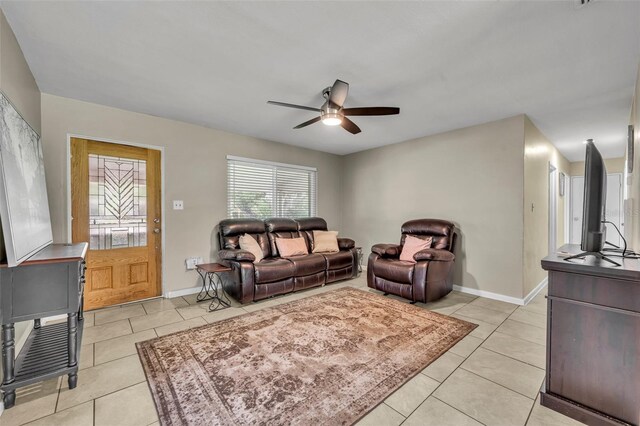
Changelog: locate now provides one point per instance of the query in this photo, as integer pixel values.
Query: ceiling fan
(333, 113)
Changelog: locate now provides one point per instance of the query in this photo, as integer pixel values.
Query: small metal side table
(359, 255)
(212, 288)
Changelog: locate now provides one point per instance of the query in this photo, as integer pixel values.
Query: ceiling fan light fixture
(331, 119)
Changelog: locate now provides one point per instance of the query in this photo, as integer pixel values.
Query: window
(262, 189)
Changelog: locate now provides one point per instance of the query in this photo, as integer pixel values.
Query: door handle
(156, 231)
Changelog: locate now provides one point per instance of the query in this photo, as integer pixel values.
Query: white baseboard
(502, 297)
(533, 293)
(182, 292)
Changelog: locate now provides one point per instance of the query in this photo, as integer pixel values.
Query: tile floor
(491, 377)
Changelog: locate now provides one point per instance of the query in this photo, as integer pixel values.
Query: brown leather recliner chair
(426, 280)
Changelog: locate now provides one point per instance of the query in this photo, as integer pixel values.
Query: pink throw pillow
(288, 247)
(412, 245)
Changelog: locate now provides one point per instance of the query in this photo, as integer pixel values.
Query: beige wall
(471, 176)
(195, 172)
(538, 154)
(614, 165)
(16, 80)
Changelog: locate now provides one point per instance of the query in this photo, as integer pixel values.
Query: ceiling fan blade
(284, 104)
(339, 92)
(350, 126)
(306, 123)
(371, 111)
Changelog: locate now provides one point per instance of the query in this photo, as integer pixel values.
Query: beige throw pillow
(288, 247)
(412, 245)
(325, 242)
(248, 243)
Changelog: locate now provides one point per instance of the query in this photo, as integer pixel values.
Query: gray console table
(49, 283)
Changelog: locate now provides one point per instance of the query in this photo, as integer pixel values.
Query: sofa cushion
(394, 270)
(248, 243)
(307, 225)
(288, 247)
(412, 245)
(308, 264)
(325, 242)
(273, 269)
(339, 260)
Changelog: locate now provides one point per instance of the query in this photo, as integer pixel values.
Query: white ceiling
(446, 64)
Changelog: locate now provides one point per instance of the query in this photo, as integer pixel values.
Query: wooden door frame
(162, 193)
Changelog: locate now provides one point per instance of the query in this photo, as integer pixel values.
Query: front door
(115, 207)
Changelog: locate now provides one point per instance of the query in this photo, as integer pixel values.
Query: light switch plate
(178, 205)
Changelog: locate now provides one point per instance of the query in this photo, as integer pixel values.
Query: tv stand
(597, 254)
(593, 350)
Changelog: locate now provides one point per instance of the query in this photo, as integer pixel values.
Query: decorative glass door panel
(117, 202)
(115, 194)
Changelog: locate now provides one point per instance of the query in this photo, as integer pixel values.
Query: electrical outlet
(178, 205)
(191, 262)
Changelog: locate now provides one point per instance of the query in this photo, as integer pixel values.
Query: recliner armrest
(346, 243)
(238, 255)
(434, 254)
(387, 250)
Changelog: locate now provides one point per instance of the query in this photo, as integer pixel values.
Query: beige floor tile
(411, 394)
(86, 356)
(496, 305)
(482, 331)
(442, 367)
(106, 331)
(460, 294)
(131, 406)
(80, 415)
(382, 415)
(484, 400)
(483, 314)
(192, 311)
(522, 350)
(101, 380)
(434, 412)
(524, 331)
(537, 305)
(465, 346)
(89, 319)
(111, 349)
(164, 304)
(180, 326)
(155, 320)
(528, 317)
(223, 314)
(542, 416)
(32, 402)
(515, 375)
(447, 305)
(124, 312)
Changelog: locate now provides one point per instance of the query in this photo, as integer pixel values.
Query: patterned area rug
(327, 359)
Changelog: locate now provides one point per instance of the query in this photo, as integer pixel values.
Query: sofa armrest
(434, 254)
(387, 250)
(238, 255)
(346, 243)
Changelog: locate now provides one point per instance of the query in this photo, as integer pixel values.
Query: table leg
(72, 326)
(206, 292)
(217, 302)
(8, 362)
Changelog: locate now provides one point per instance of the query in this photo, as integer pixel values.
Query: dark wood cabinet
(593, 340)
(50, 283)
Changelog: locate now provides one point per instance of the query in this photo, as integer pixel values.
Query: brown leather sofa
(273, 275)
(426, 280)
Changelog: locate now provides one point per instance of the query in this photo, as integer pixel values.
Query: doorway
(553, 208)
(116, 208)
(614, 212)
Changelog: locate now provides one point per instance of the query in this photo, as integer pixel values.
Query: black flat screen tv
(595, 197)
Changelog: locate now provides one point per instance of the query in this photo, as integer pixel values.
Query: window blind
(261, 189)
